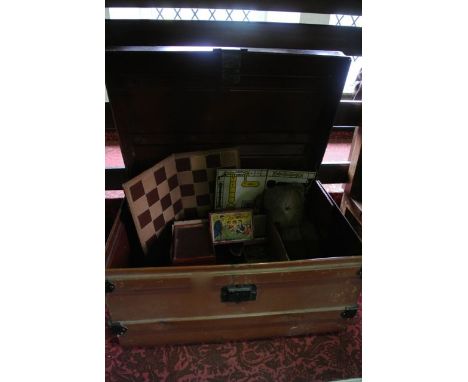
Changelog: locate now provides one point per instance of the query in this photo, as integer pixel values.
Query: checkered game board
(179, 187)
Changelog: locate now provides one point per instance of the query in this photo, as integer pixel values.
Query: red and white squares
(179, 187)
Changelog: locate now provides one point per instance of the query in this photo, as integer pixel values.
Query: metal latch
(117, 328)
(109, 286)
(238, 293)
(349, 312)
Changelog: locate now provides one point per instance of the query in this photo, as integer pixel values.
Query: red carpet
(294, 359)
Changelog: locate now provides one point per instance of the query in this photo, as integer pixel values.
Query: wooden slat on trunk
(349, 113)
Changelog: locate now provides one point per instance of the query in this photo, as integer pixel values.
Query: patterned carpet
(327, 357)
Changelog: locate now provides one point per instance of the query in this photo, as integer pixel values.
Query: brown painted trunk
(162, 305)
(277, 107)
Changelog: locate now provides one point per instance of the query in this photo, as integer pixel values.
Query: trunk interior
(332, 237)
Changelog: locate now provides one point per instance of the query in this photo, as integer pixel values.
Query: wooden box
(278, 108)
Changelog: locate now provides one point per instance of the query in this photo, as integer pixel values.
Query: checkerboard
(179, 187)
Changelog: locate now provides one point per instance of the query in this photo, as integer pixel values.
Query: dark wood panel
(109, 118)
(349, 120)
(344, 7)
(349, 113)
(333, 172)
(112, 208)
(353, 214)
(337, 235)
(127, 33)
(354, 187)
(231, 138)
(117, 244)
(356, 184)
(115, 177)
(176, 111)
(268, 151)
(153, 93)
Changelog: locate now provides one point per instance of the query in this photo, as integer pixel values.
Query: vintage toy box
(277, 109)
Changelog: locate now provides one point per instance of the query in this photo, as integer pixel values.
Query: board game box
(191, 243)
(180, 187)
(239, 188)
(231, 226)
